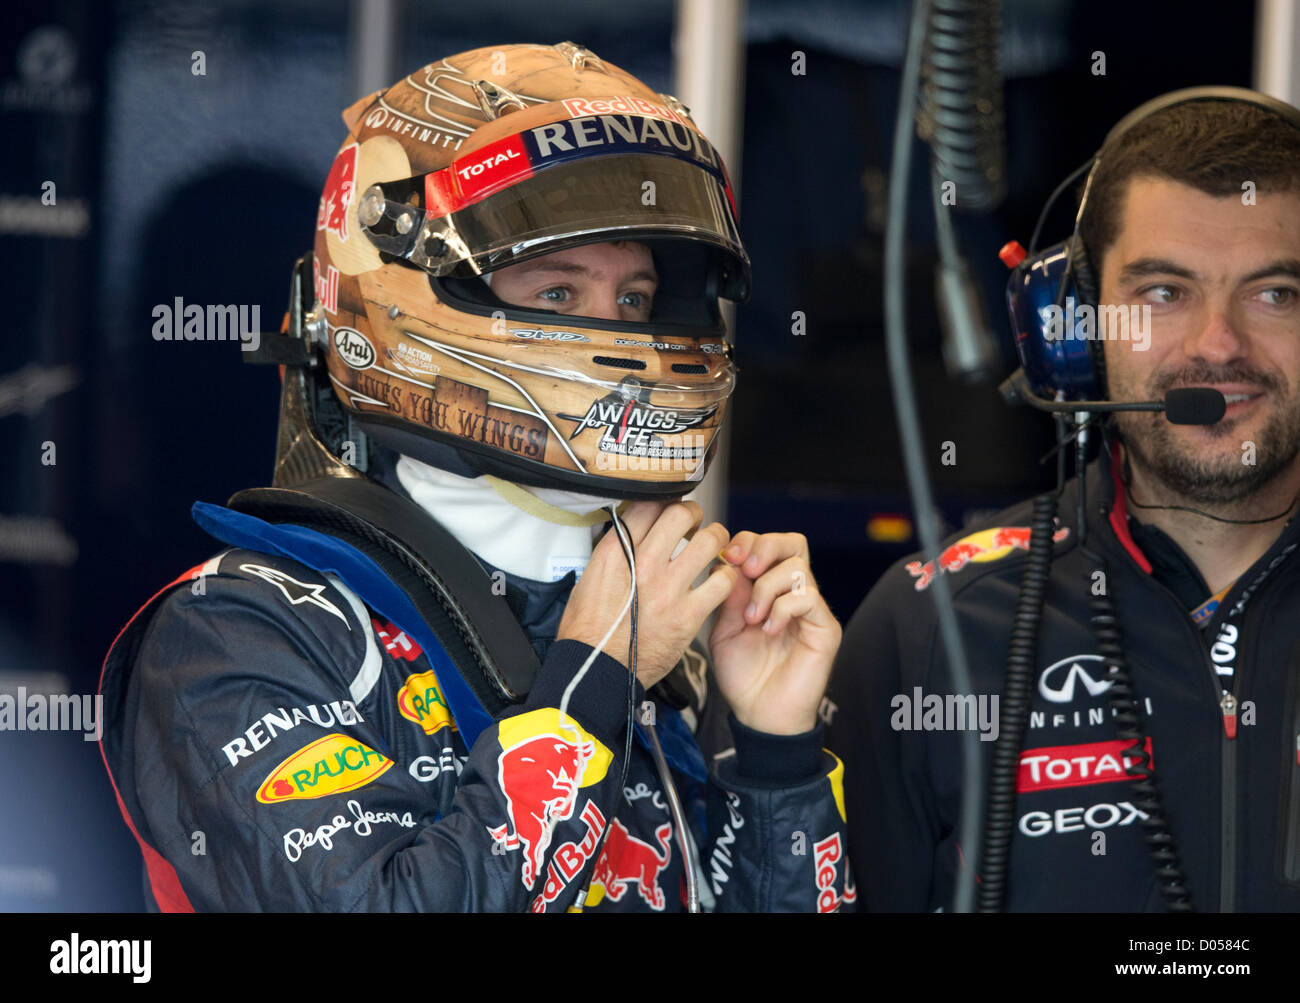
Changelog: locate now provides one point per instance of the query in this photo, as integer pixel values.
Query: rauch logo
(421, 701)
(329, 765)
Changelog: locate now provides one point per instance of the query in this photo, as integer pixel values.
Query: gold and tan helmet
(488, 159)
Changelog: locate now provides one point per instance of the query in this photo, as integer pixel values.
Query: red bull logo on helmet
(627, 862)
(546, 758)
(986, 545)
(332, 214)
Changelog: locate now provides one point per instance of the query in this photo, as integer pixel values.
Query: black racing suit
(278, 744)
(1230, 783)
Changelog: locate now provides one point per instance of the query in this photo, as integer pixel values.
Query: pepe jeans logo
(354, 348)
(330, 765)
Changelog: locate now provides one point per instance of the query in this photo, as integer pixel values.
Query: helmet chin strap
(565, 508)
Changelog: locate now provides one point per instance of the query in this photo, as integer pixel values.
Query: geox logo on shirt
(75, 956)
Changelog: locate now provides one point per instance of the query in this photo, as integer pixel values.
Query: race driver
(389, 693)
(1196, 526)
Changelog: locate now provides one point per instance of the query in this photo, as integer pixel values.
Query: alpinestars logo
(630, 423)
(296, 592)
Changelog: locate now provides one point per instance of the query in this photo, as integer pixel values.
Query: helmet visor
(580, 181)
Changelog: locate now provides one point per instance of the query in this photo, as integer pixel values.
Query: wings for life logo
(627, 862)
(632, 426)
(986, 545)
(546, 758)
(329, 765)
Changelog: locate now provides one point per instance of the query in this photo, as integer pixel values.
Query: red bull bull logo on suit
(546, 758)
(627, 862)
(986, 545)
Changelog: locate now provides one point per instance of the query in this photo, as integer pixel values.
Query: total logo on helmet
(329, 765)
(986, 545)
(627, 862)
(546, 758)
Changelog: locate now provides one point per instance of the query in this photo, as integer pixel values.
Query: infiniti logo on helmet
(1058, 680)
(354, 348)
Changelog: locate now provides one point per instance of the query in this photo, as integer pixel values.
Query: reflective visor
(576, 181)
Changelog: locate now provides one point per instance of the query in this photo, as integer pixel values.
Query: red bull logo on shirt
(546, 757)
(627, 862)
(986, 545)
(826, 854)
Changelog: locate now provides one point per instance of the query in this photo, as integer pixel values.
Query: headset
(1067, 376)
(1075, 369)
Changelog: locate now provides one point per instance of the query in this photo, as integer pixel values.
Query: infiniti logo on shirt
(1058, 680)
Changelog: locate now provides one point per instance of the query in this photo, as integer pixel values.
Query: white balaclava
(537, 533)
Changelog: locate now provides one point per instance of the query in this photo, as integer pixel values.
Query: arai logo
(354, 348)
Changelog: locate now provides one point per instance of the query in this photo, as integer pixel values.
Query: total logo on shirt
(1054, 766)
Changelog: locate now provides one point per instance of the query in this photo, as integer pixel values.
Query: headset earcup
(1087, 288)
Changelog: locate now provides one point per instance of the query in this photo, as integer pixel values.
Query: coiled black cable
(1000, 802)
(1124, 706)
(961, 113)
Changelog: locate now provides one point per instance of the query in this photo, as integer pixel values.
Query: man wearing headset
(390, 694)
(1192, 216)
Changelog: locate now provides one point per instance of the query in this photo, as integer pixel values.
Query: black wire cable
(1124, 705)
(999, 820)
(909, 430)
(960, 112)
(1051, 200)
(631, 699)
